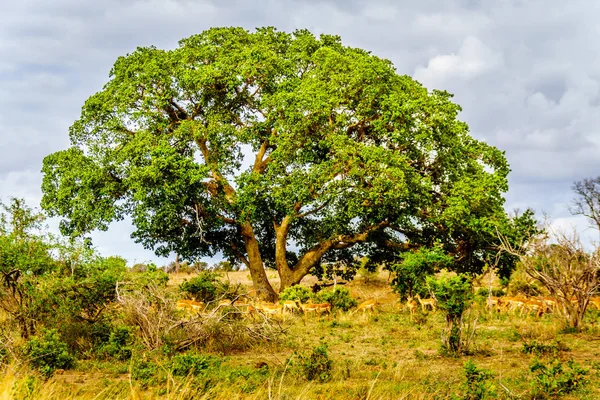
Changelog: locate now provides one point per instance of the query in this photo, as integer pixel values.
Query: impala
(533, 305)
(316, 308)
(494, 303)
(289, 305)
(365, 306)
(412, 305)
(596, 302)
(189, 305)
(427, 302)
(269, 308)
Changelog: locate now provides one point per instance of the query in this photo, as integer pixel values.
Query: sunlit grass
(380, 355)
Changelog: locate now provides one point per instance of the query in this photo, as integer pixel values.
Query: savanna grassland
(386, 354)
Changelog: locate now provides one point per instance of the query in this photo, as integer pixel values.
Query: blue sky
(527, 74)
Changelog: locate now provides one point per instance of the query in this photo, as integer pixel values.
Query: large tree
(276, 149)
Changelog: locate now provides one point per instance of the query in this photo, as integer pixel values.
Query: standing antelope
(412, 306)
(427, 302)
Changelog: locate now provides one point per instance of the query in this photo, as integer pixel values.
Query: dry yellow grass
(384, 355)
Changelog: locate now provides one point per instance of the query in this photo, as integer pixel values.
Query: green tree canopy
(276, 149)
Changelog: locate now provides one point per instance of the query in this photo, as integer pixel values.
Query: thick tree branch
(314, 254)
(259, 164)
(227, 188)
(239, 255)
(182, 112)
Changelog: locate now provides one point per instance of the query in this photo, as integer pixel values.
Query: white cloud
(522, 71)
(472, 59)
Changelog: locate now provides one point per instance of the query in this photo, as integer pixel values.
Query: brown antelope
(269, 308)
(251, 311)
(494, 303)
(365, 306)
(323, 308)
(514, 303)
(316, 308)
(550, 303)
(240, 304)
(189, 305)
(596, 302)
(426, 302)
(533, 305)
(412, 306)
(224, 303)
(289, 305)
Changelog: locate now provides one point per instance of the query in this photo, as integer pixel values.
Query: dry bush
(158, 323)
(562, 266)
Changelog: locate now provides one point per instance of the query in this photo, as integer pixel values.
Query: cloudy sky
(526, 72)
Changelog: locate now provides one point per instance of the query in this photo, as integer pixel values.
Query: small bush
(555, 379)
(119, 344)
(202, 287)
(482, 294)
(192, 364)
(296, 293)
(47, 352)
(317, 365)
(454, 295)
(540, 349)
(145, 372)
(478, 383)
(340, 298)
(151, 275)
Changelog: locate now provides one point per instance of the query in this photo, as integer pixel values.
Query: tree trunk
(263, 288)
(290, 277)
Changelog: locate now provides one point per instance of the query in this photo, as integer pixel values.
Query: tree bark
(263, 288)
(290, 277)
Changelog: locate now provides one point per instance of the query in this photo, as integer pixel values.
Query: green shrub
(415, 267)
(340, 298)
(119, 344)
(454, 295)
(192, 363)
(555, 379)
(483, 293)
(540, 349)
(150, 276)
(47, 352)
(478, 383)
(145, 372)
(317, 365)
(296, 293)
(202, 287)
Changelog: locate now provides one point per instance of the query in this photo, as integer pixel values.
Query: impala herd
(517, 304)
(254, 307)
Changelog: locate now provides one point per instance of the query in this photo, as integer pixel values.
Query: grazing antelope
(596, 302)
(426, 302)
(550, 303)
(365, 306)
(412, 306)
(224, 303)
(289, 305)
(251, 311)
(533, 305)
(189, 305)
(514, 303)
(269, 308)
(323, 308)
(494, 303)
(316, 308)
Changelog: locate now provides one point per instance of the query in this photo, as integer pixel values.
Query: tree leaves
(238, 131)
